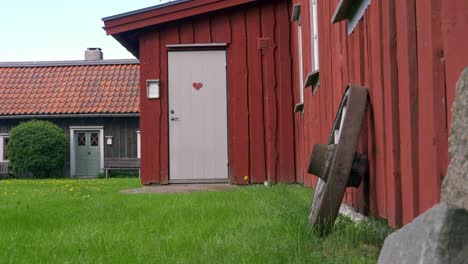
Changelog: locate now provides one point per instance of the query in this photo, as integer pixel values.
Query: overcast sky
(38, 30)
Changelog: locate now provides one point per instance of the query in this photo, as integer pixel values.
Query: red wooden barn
(409, 54)
(219, 82)
(225, 106)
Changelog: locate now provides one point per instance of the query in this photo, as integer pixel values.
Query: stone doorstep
(182, 188)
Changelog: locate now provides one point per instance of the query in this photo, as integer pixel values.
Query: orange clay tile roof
(69, 87)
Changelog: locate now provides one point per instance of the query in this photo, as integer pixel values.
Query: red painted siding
(150, 110)
(260, 99)
(409, 54)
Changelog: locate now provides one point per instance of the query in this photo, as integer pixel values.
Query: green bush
(38, 147)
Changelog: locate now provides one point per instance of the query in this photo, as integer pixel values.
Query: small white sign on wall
(108, 140)
(152, 87)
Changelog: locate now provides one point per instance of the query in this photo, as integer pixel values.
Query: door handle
(174, 119)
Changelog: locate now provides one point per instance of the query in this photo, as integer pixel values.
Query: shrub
(38, 147)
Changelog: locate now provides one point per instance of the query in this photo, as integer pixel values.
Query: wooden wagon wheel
(337, 164)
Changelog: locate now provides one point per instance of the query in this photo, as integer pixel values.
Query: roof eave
(160, 14)
(142, 10)
(15, 64)
(77, 115)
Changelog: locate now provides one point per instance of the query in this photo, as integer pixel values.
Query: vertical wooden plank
(375, 68)
(187, 35)
(328, 59)
(129, 137)
(392, 124)
(121, 129)
(357, 64)
(432, 78)
(307, 138)
(327, 112)
(110, 128)
(167, 37)
(270, 87)
(354, 64)
(130, 141)
(303, 66)
(220, 29)
(315, 118)
(238, 119)
(334, 61)
(454, 28)
(408, 105)
(345, 61)
(150, 115)
(285, 170)
(255, 97)
(202, 31)
(367, 144)
(299, 118)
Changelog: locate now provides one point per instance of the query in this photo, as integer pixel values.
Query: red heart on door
(197, 85)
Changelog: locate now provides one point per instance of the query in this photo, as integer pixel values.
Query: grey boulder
(440, 235)
(455, 184)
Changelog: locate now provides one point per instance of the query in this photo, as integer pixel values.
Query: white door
(198, 115)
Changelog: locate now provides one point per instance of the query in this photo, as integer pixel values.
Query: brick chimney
(93, 54)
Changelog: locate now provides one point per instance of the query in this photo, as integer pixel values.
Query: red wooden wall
(409, 54)
(260, 98)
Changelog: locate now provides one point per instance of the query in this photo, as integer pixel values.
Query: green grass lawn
(90, 221)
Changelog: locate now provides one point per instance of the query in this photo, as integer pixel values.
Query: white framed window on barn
(296, 16)
(314, 35)
(312, 78)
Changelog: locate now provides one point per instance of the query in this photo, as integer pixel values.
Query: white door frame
(72, 145)
(193, 47)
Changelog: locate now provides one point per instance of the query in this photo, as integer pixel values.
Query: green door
(87, 153)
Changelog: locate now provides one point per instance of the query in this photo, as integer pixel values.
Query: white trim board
(72, 146)
(2, 155)
(138, 144)
(196, 45)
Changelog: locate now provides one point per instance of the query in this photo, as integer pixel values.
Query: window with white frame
(296, 16)
(301, 69)
(4, 138)
(138, 144)
(314, 35)
(312, 78)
